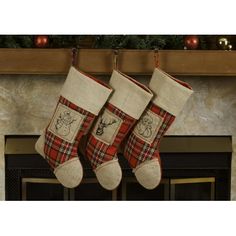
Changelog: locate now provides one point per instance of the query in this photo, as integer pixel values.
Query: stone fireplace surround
(27, 103)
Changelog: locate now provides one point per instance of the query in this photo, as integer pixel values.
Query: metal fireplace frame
(185, 159)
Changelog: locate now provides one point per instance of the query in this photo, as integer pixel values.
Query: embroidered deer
(104, 124)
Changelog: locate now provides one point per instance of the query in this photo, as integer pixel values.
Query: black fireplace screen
(194, 168)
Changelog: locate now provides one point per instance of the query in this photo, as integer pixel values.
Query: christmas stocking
(142, 147)
(80, 101)
(125, 106)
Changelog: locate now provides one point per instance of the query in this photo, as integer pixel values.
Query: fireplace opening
(194, 168)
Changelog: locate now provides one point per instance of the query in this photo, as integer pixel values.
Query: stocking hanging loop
(74, 56)
(156, 57)
(115, 59)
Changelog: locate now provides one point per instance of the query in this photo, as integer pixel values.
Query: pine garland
(99, 41)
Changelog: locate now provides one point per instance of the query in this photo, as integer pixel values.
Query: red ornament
(191, 42)
(41, 41)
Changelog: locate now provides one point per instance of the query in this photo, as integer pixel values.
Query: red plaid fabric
(99, 152)
(57, 150)
(136, 150)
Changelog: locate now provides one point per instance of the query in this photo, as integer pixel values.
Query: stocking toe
(109, 174)
(70, 173)
(148, 174)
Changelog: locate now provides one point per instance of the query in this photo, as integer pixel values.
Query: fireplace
(194, 168)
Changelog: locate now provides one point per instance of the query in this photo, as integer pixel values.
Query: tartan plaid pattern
(57, 150)
(99, 152)
(137, 151)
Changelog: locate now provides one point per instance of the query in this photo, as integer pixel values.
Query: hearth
(194, 168)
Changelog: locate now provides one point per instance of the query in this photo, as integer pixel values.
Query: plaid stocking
(80, 101)
(142, 147)
(118, 117)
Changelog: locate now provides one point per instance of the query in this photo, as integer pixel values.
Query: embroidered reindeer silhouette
(104, 124)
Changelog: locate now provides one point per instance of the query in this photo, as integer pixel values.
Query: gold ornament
(224, 44)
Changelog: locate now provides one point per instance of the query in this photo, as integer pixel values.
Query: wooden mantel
(134, 62)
